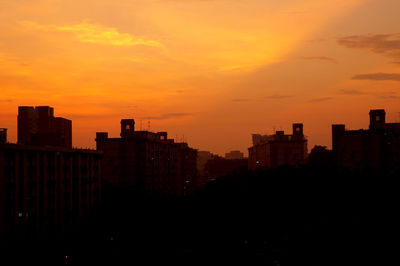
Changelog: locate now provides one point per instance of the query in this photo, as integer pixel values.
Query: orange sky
(213, 71)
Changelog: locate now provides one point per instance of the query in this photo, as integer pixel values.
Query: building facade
(148, 162)
(376, 147)
(278, 149)
(220, 167)
(45, 190)
(3, 135)
(38, 126)
(234, 155)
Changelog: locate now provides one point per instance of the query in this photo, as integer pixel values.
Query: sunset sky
(211, 72)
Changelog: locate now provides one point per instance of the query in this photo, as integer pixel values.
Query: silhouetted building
(219, 167)
(234, 155)
(376, 147)
(45, 190)
(3, 135)
(202, 158)
(38, 126)
(148, 162)
(258, 138)
(278, 149)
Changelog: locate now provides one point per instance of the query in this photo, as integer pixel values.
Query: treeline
(310, 215)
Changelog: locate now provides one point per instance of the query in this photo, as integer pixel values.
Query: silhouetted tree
(321, 156)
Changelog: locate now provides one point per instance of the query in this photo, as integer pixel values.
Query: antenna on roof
(148, 125)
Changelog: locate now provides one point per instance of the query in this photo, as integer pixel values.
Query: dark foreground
(327, 216)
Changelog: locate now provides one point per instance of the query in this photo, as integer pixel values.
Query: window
(376, 118)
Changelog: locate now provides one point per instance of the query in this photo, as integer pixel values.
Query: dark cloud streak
(278, 96)
(377, 76)
(351, 92)
(240, 100)
(167, 116)
(320, 58)
(321, 99)
(389, 97)
(385, 44)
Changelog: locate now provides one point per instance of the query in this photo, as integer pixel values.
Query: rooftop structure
(234, 155)
(376, 147)
(278, 149)
(147, 161)
(38, 126)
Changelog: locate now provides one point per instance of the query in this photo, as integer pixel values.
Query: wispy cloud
(295, 12)
(6, 100)
(318, 40)
(93, 33)
(351, 92)
(386, 44)
(278, 96)
(268, 97)
(389, 97)
(187, 1)
(320, 99)
(167, 116)
(240, 100)
(377, 76)
(320, 58)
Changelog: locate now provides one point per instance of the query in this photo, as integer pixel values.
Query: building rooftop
(16, 146)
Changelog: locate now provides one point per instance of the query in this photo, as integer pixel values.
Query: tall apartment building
(46, 186)
(278, 149)
(147, 161)
(45, 190)
(376, 147)
(38, 126)
(3, 135)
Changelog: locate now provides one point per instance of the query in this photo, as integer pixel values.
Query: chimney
(297, 129)
(127, 127)
(377, 118)
(163, 135)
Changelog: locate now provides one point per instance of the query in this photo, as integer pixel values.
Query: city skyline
(199, 132)
(211, 72)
